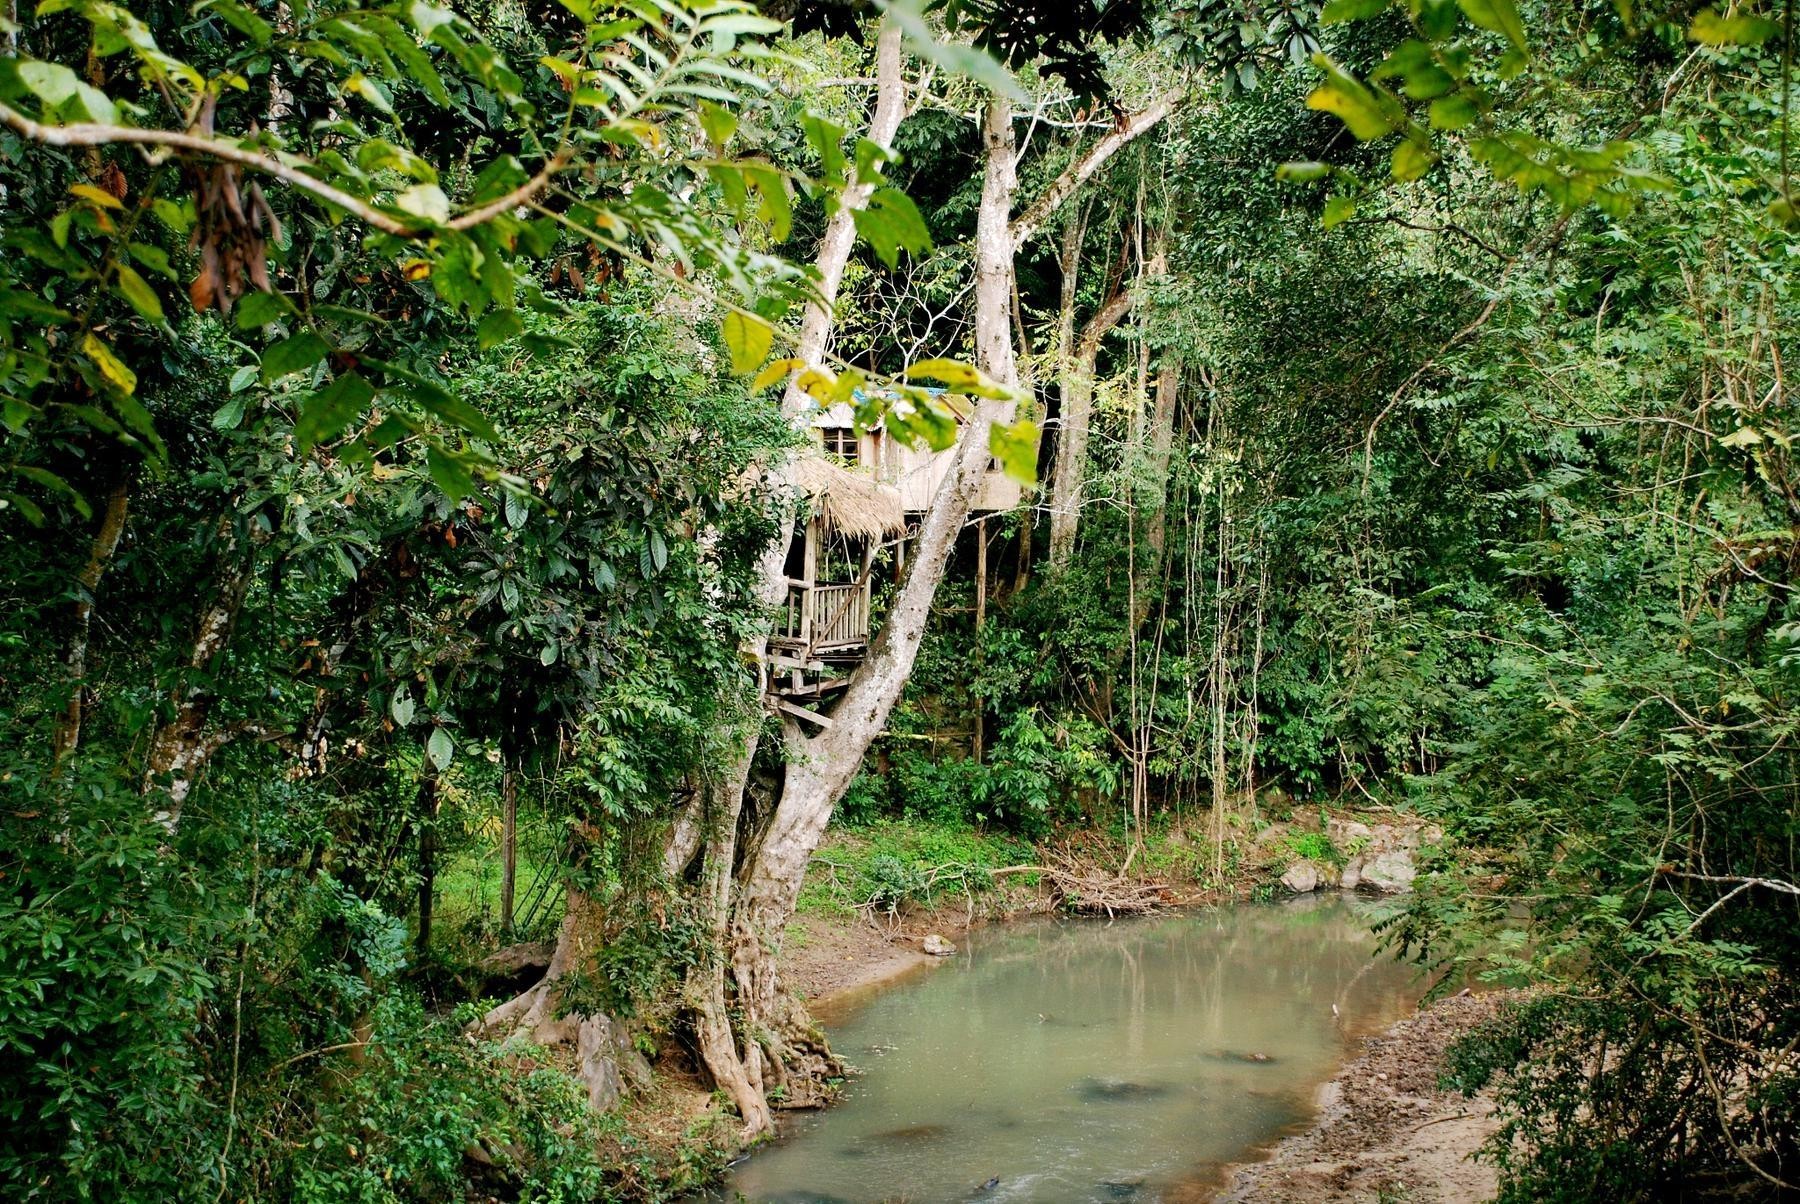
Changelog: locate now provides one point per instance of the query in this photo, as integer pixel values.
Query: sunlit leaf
(1496, 16)
(137, 291)
(748, 340)
(1016, 448)
(110, 365)
(1712, 28)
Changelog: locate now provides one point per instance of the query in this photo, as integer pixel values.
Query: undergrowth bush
(890, 865)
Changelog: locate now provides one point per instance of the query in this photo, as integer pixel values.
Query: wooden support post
(810, 572)
(800, 712)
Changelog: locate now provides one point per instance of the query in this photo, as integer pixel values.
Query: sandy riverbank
(1384, 1130)
(833, 962)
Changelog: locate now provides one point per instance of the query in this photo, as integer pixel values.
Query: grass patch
(892, 863)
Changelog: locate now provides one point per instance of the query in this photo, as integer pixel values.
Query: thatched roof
(850, 502)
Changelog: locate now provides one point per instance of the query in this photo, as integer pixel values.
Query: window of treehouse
(841, 441)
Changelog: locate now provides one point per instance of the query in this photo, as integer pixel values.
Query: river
(1083, 1060)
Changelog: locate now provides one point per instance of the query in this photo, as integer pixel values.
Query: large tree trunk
(839, 238)
(776, 1043)
(1069, 480)
(1162, 444)
(779, 1043)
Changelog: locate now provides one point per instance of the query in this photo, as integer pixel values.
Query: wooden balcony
(825, 619)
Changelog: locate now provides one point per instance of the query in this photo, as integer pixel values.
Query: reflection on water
(1083, 1060)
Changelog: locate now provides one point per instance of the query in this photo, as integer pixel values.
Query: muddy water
(1083, 1060)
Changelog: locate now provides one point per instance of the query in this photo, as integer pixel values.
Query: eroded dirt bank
(1384, 1130)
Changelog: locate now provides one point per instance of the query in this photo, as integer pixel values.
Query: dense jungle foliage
(393, 409)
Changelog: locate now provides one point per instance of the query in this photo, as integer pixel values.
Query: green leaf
(748, 340)
(953, 56)
(176, 215)
(440, 748)
(827, 140)
(956, 376)
(1415, 63)
(890, 223)
(1338, 210)
(34, 514)
(1358, 107)
(138, 419)
(1711, 28)
(15, 303)
(55, 484)
(1352, 10)
(718, 123)
(449, 472)
(331, 409)
(293, 354)
(1412, 160)
(443, 404)
(1016, 447)
(424, 200)
(498, 327)
(66, 96)
(1496, 16)
(1304, 172)
(401, 706)
(97, 196)
(154, 258)
(136, 290)
(229, 416)
(775, 371)
(1453, 112)
(428, 18)
(240, 18)
(776, 207)
(870, 158)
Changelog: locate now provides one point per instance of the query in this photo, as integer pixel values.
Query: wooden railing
(826, 618)
(840, 616)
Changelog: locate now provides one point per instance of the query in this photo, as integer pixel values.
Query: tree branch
(1105, 318)
(92, 134)
(1078, 172)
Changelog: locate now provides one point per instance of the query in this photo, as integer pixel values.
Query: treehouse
(863, 489)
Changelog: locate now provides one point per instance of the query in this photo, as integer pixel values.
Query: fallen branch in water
(1089, 888)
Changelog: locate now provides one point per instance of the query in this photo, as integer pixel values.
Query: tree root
(605, 1059)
